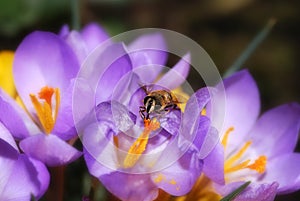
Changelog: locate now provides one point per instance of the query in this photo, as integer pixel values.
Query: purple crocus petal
(93, 35)
(171, 122)
(49, 62)
(241, 107)
(276, 131)
(32, 180)
(64, 31)
(78, 45)
(126, 89)
(191, 116)
(15, 119)
(213, 165)
(49, 149)
(179, 178)
(43, 176)
(117, 63)
(8, 156)
(285, 170)
(254, 192)
(176, 75)
(152, 55)
(7, 137)
(133, 186)
(64, 125)
(124, 186)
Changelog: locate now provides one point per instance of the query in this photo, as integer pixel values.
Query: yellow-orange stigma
(44, 108)
(139, 145)
(259, 165)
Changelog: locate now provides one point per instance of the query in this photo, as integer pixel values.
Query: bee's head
(149, 102)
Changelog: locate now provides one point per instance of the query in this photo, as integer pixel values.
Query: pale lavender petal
(93, 35)
(26, 180)
(213, 165)
(130, 187)
(116, 63)
(276, 131)
(285, 170)
(8, 156)
(176, 75)
(7, 137)
(49, 62)
(171, 122)
(126, 90)
(179, 178)
(98, 147)
(137, 100)
(150, 51)
(78, 45)
(124, 186)
(254, 192)
(191, 116)
(43, 176)
(49, 149)
(15, 119)
(241, 107)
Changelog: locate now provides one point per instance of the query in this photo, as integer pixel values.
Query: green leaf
(257, 40)
(235, 193)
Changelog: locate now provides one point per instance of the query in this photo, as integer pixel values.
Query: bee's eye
(150, 104)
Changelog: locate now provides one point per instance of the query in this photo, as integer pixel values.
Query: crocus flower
(43, 69)
(21, 177)
(256, 149)
(134, 158)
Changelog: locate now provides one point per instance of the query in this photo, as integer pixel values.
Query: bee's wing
(181, 97)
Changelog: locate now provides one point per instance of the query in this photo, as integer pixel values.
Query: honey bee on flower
(158, 101)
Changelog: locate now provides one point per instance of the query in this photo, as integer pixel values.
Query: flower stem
(251, 48)
(56, 189)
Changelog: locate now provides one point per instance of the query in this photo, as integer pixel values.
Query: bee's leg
(142, 110)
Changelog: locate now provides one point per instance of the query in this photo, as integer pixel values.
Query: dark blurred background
(222, 27)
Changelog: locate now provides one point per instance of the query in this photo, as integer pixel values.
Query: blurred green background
(222, 27)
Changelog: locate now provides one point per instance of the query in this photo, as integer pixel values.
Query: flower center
(45, 110)
(232, 164)
(139, 146)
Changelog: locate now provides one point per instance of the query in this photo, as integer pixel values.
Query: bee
(158, 101)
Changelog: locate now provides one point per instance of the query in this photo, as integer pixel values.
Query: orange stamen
(139, 146)
(259, 165)
(44, 108)
(226, 135)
